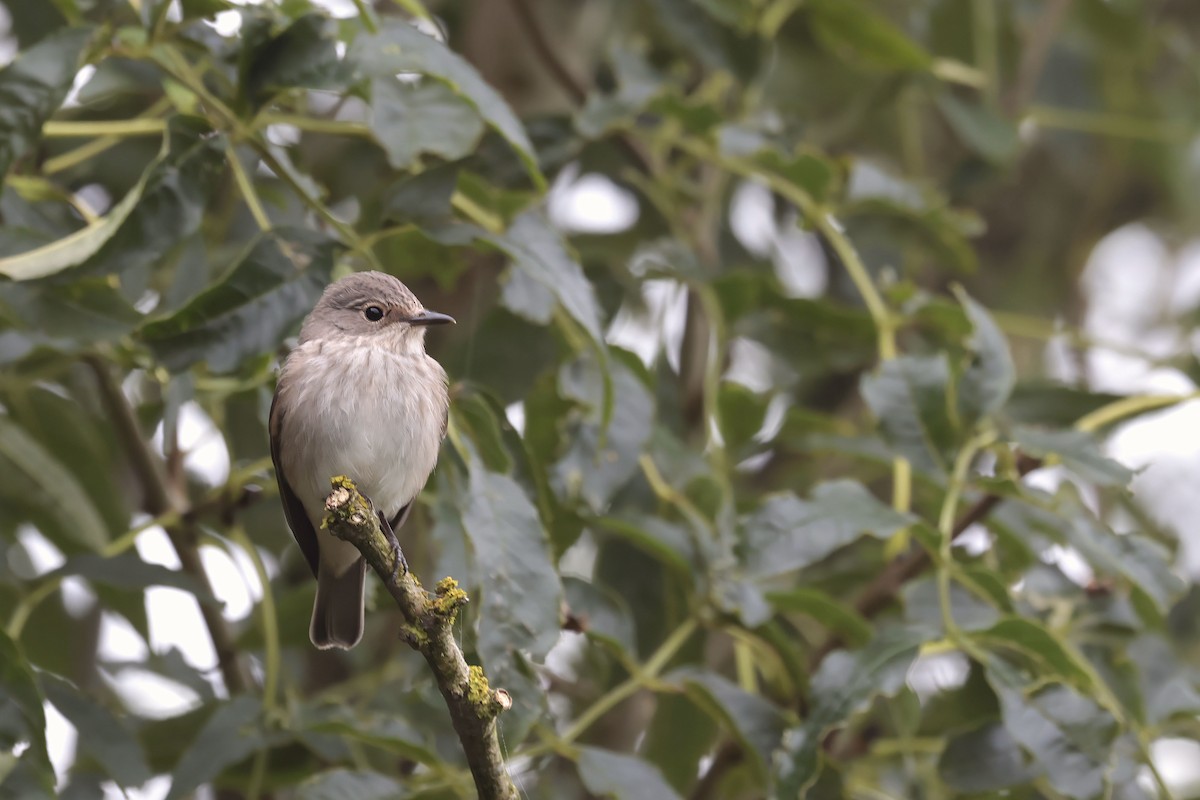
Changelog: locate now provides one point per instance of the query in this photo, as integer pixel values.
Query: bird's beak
(430, 318)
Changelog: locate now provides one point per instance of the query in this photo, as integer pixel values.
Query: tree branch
(157, 501)
(428, 629)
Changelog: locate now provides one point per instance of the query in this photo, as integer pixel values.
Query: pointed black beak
(430, 318)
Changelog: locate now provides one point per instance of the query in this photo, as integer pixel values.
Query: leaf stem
(120, 128)
(1127, 407)
(246, 187)
(631, 685)
(272, 660)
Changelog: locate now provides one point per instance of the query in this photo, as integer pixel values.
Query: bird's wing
(293, 509)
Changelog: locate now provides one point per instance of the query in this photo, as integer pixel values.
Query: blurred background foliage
(777, 463)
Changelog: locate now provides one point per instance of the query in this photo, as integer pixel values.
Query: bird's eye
(373, 313)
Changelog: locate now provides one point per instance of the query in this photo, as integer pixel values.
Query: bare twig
(1033, 56)
(545, 53)
(158, 501)
(428, 629)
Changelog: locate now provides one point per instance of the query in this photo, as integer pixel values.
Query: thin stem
(367, 15)
(946, 527)
(1114, 125)
(246, 187)
(983, 32)
(120, 128)
(272, 660)
(1128, 407)
(631, 685)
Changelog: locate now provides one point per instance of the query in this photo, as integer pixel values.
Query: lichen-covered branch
(428, 629)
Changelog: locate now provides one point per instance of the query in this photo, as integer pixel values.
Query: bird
(358, 396)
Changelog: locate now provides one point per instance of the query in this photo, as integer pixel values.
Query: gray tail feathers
(337, 618)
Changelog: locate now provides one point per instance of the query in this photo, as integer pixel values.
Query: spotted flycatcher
(357, 397)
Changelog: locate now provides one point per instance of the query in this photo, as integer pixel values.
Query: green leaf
(32, 88)
(601, 459)
(519, 610)
(83, 312)
(1067, 735)
(986, 759)
(991, 375)
(787, 533)
(412, 119)
(845, 684)
(741, 412)
(302, 55)
(922, 606)
(908, 396)
(601, 612)
(831, 612)
(230, 735)
(476, 417)
(339, 784)
(1053, 405)
(248, 311)
(53, 485)
(102, 734)
(757, 723)
(860, 35)
(22, 719)
(1079, 451)
(621, 777)
(982, 130)
(399, 48)
(382, 731)
(540, 252)
(171, 207)
(1030, 638)
(128, 571)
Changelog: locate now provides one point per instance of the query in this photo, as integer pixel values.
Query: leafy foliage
(772, 536)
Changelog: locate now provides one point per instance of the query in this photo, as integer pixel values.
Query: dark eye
(373, 313)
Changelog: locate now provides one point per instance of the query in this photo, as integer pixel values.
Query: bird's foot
(399, 562)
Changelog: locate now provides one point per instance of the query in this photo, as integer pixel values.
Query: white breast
(380, 425)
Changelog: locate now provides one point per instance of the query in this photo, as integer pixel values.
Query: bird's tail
(337, 618)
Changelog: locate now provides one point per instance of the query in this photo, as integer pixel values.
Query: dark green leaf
(540, 252)
(340, 784)
(1079, 451)
(990, 376)
(249, 311)
(519, 610)
(742, 412)
(1029, 637)
(757, 723)
(788, 533)
(987, 759)
(32, 88)
(621, 777)
(128, 571)
(303, 55)
(412, 119)
(861, 35)
(48, 481)
(82, 312)
(478, 419)
(22, 719)
(1067, 735)
(600, 459)
(824, 608)
(600, 612)
(845, 683)
(977, 127)
(231, 734)
(399, 47)
(908, 396)
(1053, 405)
(102, 734)
(171, 206)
